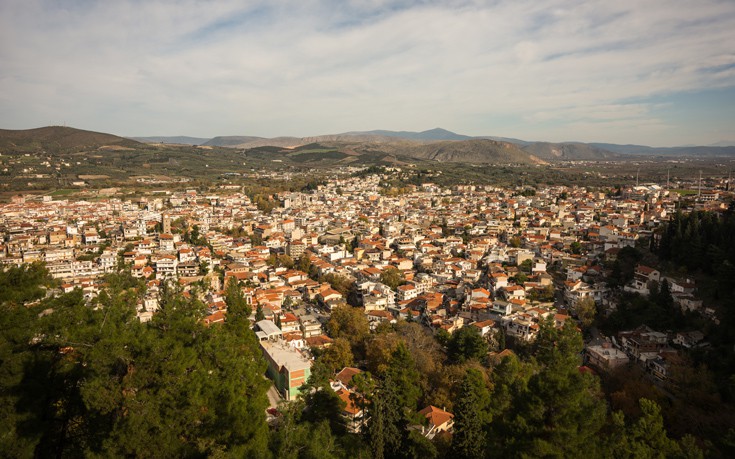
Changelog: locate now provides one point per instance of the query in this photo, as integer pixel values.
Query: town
(499, 260)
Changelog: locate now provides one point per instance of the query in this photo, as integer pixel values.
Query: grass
(63, 192)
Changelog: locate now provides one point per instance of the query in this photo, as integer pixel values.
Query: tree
(21, 284)
(259, 314)
(237, 307)
(392, 277)
(471, 414)
(526, 266)
(349, 323)
(304, 263)
(385, 426)
(586, 309)
(648, 436)
(575, 247)
(558, 412)
(572, 412)
(405, 380)
(95, 381)
(467, 344)
(337, 356)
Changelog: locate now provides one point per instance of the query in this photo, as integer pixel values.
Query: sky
(653, 72)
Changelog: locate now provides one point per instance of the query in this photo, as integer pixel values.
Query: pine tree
(259, 314)
(237, 308)
(471, 414)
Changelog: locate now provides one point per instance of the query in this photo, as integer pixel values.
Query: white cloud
(562, 69)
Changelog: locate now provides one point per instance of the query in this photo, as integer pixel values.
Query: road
(273, 397)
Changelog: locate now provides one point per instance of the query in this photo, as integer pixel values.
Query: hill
(690, 151)
(567, 151)
(471, 151)
(231, 141)
(431, 134)
(59, 139)
(179, 140)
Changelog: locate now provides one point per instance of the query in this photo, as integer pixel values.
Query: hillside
(231, 141)
(179, 140)
(55, 139)
(472, 151)
(567, 151)
(431, 134)
(692, 151)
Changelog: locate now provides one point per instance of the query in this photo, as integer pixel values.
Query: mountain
(179, 139)
(471, 151)
(723, 143)
(431, 134)
(231, 140)
(58, 139)
(567, 151)
(667, 151)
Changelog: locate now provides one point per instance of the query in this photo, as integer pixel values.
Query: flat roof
(286, 356)
(268, 327)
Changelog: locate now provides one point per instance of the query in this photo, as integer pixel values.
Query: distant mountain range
(546, 151)
(179, 140)
(435, 144)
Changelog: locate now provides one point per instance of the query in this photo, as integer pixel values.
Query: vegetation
(78, 380)
(83, 378)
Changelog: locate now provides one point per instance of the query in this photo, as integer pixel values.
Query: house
(353, 412)
(485, 327)
(642, 343)
(343, 379)
(287, 367)
(605, 357)
(689, 339)
(437, 421)
(642, 279)
(310, 326)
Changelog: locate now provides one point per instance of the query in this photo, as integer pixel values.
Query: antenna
(667, 178)
(636, 176)
(699, 193)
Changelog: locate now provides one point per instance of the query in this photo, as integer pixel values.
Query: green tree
(586, 310)
(392, 277)
(337, 356)
(237, 307)
(559, 412)
(348, 323)
(21, 284)
(259, 314)
(405, 379)
(471, 416)
(467, 344)
(526, 266)
(648, 436)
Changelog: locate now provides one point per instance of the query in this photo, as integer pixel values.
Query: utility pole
(699, 193)
(636, 176)
(667, 178)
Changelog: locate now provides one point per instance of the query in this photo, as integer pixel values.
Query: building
(605, 357)
(287, 367)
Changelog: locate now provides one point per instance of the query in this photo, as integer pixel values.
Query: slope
(55, 139)
(471, 151)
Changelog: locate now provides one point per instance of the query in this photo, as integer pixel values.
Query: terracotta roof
(436, 416)
(345, 375)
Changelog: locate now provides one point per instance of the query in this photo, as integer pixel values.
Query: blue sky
(658, 72)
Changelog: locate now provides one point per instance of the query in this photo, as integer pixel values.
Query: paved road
(273, 397)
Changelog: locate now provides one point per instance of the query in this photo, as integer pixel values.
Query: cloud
(303, 68)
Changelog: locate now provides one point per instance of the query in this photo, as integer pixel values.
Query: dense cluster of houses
(467, 256)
